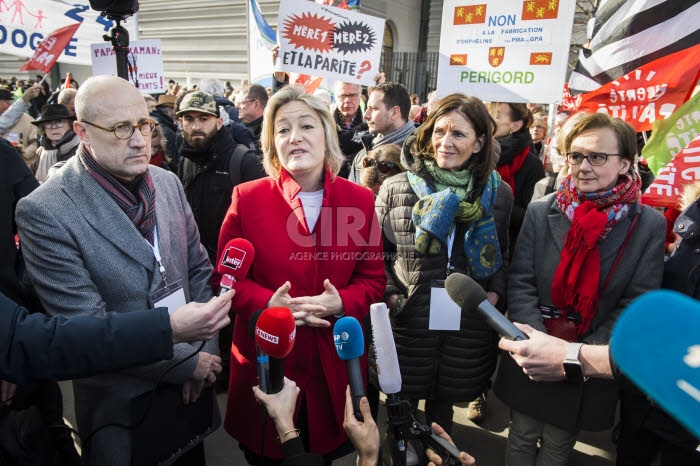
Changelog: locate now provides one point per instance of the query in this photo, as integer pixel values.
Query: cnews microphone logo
(266, 336)
(233, 257)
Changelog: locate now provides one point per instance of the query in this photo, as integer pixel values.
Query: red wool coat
(346, 248)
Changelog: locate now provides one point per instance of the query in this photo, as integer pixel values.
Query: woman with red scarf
(518, 164)
(583, 254)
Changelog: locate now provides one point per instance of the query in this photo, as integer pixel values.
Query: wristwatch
(572, 365)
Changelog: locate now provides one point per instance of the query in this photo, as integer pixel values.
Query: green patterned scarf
(436, 213)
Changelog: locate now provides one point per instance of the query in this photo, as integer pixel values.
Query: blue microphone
(350, 344)
(656, 344)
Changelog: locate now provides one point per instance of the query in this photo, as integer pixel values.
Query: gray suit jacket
(85, 256)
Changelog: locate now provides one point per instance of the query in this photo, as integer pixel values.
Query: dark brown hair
(520, 112)
(481, 164)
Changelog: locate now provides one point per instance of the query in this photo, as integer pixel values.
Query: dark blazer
(535, 261)
(85, 256)
(36, 347)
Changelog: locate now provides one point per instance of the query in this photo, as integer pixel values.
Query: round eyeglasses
(54, 124)
(594, 158)
(126, 130)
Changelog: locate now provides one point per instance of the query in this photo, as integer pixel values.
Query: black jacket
(350, 138)
(255, 127)
(208, 183)
(447, 365)
(16, 181)
(525, 179)
(35, 347)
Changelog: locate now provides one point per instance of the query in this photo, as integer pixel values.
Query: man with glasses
(350, 124)
(387, 119)
(251, 109)
(111, 233)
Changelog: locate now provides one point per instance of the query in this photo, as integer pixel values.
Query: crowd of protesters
(549, 223)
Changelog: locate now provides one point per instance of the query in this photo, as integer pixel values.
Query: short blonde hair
(333, 159)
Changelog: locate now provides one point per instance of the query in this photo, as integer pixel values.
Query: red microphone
(235, 262)
(275, 332)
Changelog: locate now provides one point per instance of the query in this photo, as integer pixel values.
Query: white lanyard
(156, 253)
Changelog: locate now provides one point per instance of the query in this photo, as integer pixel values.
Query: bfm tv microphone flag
(627, 34)
(48, 50)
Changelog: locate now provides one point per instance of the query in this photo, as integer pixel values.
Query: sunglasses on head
(382, 165)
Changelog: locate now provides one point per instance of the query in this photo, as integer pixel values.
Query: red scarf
(157, 159)
(576, 282)
(508, 171)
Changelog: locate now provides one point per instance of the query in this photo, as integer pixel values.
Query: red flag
(668, 186)
(649, 93)
(48, 50)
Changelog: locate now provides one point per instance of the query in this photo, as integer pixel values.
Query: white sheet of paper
(173, 301)
(445, 314)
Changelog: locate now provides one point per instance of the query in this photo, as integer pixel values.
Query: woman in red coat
(318, 252)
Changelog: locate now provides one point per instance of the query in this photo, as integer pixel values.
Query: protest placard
(329, 42)
(24, 24)
(148, 57)
(505, 50)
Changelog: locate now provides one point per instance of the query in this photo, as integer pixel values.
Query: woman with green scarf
(448, 213)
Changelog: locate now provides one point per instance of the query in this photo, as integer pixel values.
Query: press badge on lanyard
(169, 295)
(445, 314)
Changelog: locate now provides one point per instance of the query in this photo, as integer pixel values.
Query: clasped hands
(309, 310)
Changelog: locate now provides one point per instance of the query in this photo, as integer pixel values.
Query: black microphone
(350, 344)
(471, 297)
(262, 359)
(274, 332)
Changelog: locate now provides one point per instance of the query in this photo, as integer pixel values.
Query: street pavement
(486, 442)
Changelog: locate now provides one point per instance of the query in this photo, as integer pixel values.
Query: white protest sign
(24, 24)
(328, 42)
(505, 50)
(148, 56)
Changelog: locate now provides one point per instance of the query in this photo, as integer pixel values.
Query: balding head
(98, 93)
(103, 103)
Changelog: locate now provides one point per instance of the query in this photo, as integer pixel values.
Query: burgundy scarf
(140, 208)
(577, 279)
